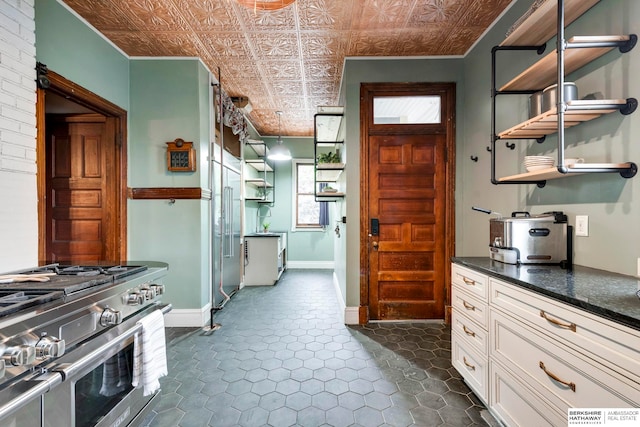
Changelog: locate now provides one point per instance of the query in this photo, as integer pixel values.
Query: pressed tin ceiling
(289, 59)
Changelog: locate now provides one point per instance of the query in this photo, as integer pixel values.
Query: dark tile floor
(282, 357)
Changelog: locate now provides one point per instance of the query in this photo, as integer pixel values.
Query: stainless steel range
(66, 340)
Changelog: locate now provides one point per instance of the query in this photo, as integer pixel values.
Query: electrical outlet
(582, 225)
(638, 272)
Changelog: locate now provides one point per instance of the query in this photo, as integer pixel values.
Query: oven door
(21, 402)
(96, 388)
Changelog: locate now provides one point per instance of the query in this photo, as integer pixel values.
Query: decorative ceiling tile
(280, 70)
(289, 59)
(208, 15)
(269, 46)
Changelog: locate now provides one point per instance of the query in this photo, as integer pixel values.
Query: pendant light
(279, 152)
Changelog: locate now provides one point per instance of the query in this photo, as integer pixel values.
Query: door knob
(375, 245)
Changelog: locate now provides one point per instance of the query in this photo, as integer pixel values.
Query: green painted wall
(70, 48)
(169, 100)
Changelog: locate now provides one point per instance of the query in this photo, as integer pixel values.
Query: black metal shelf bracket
(629, 107)
(630, 172)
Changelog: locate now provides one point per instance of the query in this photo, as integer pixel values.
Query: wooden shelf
(259, 147)
(328, 172)
(575, 169)
(540, 26)
(325, 195)
(544, 72)
(256, 182)
(260, 165)
(577, 112)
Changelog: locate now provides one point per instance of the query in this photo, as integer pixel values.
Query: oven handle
(71, 369)
(45, 383)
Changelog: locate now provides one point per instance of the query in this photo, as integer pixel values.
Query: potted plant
(326, 159)
(265, 227)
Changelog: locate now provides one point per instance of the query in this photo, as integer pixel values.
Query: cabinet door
(471, 281)
(516, 405)
(609, 343)
(472, 365)
(557, 372)
(470, 331)
(472, 307)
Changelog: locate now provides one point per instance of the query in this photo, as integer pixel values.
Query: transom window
(406, 109)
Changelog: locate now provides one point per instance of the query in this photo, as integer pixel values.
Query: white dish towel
(149, 353)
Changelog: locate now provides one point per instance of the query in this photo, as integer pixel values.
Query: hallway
(283, 357)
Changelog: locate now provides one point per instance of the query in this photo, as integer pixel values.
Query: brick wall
(18, 193)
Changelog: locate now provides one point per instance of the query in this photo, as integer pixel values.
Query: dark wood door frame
(448, 114)
(117, 247)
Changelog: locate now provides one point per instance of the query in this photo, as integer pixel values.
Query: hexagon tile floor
(283, 357)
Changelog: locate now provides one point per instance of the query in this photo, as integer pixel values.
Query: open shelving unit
(264, 191)
(328, 137)
(545, 22)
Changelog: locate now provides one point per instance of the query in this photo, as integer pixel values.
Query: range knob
(49, 347)
(158, 287)
(133, 298)
(110, 317)
(148, 293)
(20, 355)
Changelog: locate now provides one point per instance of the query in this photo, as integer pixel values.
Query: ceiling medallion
(265, 4)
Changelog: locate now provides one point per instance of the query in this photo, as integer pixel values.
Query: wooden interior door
(78, 180)
(407, 209)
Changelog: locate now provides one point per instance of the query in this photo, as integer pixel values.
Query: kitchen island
(536, 341)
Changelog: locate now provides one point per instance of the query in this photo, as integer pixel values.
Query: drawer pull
(468, 331)
(469, 281)
(571, 326)
(554, 377)
(469, 365)
(468, 306)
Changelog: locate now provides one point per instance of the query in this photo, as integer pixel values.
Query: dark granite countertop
(600, 292)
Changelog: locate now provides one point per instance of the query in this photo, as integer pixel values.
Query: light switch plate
(582, 225)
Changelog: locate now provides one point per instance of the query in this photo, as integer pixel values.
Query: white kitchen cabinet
(469, 320)
(534, 357)
(265, 258)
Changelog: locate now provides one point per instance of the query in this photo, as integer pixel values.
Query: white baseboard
(310, 265)
(351, 315)
(187, 318)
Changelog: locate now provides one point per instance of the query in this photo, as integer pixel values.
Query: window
(406, 109)
(306, 209)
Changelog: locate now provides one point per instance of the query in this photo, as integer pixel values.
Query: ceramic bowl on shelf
(535, 163)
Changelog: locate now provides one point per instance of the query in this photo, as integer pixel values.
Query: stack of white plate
(535, 163)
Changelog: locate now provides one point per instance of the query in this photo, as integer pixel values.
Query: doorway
(407, 200)
(81, 167)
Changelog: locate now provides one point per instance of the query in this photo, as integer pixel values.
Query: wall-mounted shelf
(541, 26)
(577, 112)
(260, 165)
(572, 170)
(329, 130)
(262, 176)
(531, 34)
(544, 72)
